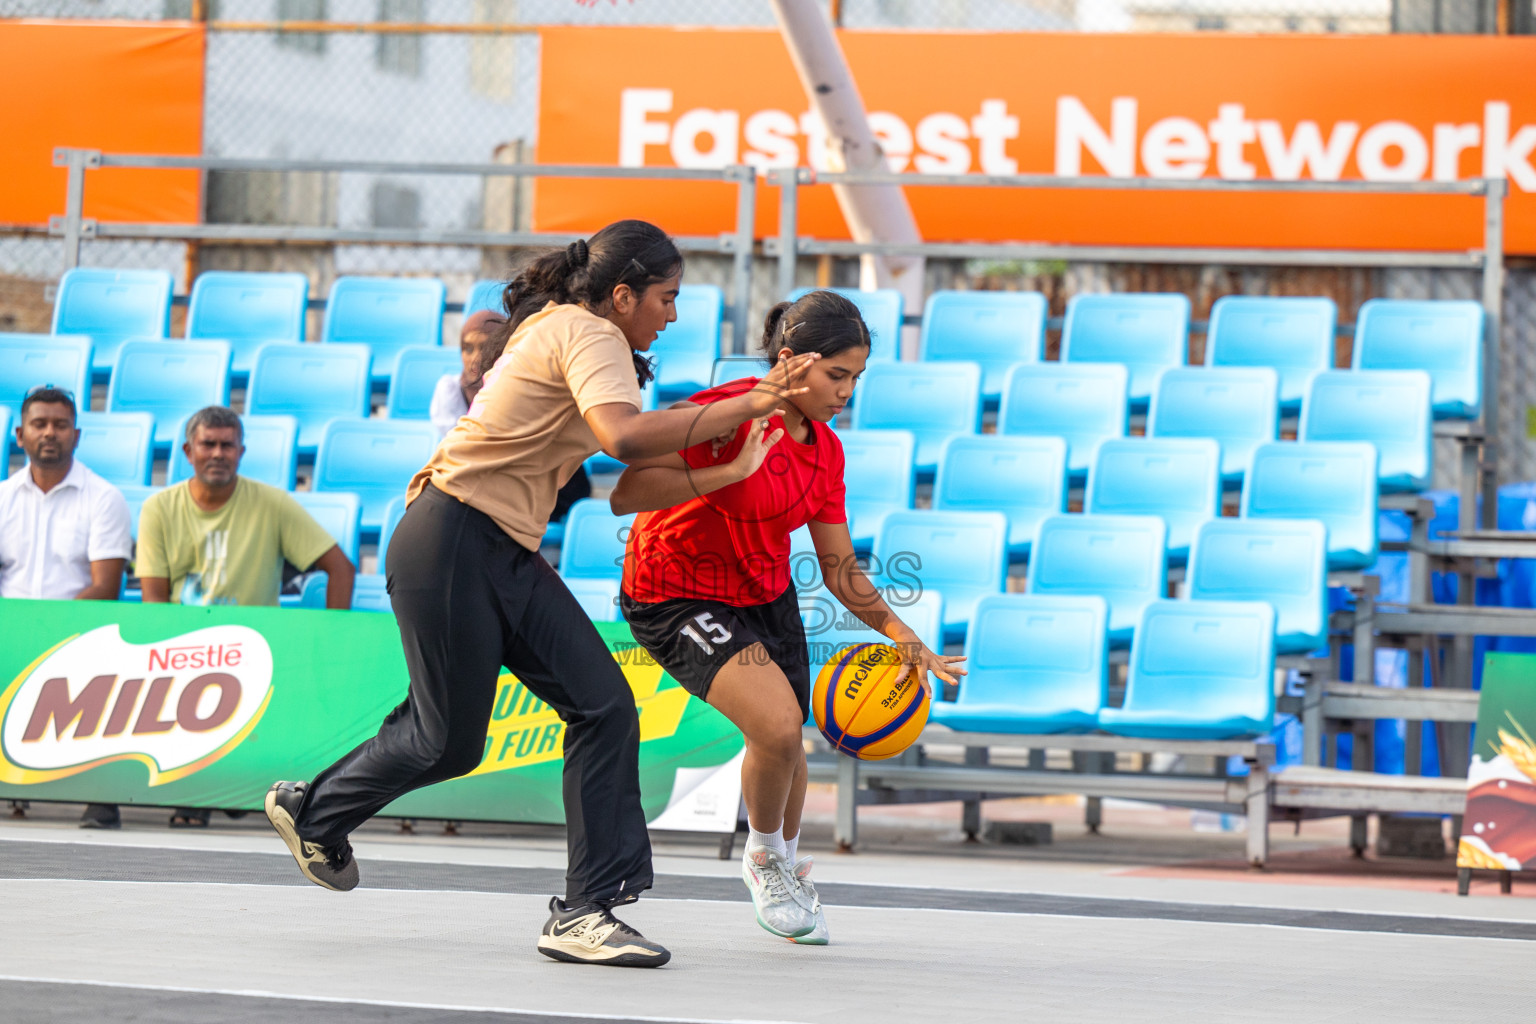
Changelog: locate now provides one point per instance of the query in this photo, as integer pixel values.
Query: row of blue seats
(1280, 555)
(1083, 403)
(1149, 333)
(1146, 332)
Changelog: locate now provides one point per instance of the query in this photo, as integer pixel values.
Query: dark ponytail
(823, 322)
(585, 273)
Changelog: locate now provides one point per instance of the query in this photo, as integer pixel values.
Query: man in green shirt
(220, 538)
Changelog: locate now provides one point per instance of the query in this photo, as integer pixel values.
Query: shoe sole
(806, 940)
(282, 824)
(621, 960)
(747, 880)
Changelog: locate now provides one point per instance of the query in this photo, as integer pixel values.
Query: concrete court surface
(152, 925)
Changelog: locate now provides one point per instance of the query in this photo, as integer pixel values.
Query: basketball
(866, 706)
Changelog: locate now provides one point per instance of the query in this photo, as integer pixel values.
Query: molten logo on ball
(175, 705)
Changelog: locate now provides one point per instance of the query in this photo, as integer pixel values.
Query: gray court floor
(160, 926)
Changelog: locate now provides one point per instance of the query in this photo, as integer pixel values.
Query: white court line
(259, 994)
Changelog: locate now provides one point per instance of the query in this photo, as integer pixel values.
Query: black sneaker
(330, 866)
(590, 934)
(101, 816)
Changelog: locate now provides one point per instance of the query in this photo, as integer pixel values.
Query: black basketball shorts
(694, 639)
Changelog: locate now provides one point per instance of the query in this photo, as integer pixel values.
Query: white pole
(875, 213)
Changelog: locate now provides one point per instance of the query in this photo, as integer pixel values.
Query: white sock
(772, 840)
(792, 846)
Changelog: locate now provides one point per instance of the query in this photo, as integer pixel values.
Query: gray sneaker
(332, 867)
(590, 934)
(781, 907)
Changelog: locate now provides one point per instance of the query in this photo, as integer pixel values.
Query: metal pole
(789, 216)
(741, 258)
(1493, 313)
(74, 201)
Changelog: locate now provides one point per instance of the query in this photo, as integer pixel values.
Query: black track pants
(470, 600)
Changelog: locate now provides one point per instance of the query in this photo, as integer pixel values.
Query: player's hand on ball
(918, 658)
(756, 446)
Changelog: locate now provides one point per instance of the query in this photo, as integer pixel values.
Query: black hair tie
(576, 254)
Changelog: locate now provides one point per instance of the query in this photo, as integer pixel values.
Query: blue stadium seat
(32, 360)
(393, 513)
(1238, 406)
(136, 495)
(7, 440)
(1282, 561)
(1293, 336)
(882, 311)
(1334, 482)
(247, 309)
(486, 295)
(933, 400)
(1147, 333)
(374, 459)
(992, 329)
(1445, 339)
(1025, 478)
(1199, 670)
(339, 513)
(370, 593)
(1085, 404)
(111, 306)
(271, 451)
(387, 314)
(961, 555)
(593, 547)
(312, 383)
(689, 347)
(417, 371)
(599, 598)
(170, 380)
(1120, 558)
(1178, 479)
(878, 477)
(1038, 665)
(118, 446)
(311, 592)
(728, 368)
(1388, 408)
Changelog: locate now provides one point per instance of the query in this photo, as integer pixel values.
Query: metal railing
(74, 227)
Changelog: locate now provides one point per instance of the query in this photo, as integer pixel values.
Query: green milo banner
(206, 707)
(1498, 831)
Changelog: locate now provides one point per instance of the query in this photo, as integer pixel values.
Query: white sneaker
(818, 935)
(776, 894)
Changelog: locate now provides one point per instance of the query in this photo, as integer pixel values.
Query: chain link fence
(455, 96)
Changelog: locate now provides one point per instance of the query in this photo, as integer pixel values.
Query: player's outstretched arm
(849, 584)
(666, 481)
(628, 435)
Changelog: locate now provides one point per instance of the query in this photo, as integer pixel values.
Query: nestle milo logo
(176, 705)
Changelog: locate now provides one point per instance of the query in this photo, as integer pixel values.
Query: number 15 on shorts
(706, 627)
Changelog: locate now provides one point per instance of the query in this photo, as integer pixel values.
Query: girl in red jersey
(707, 586)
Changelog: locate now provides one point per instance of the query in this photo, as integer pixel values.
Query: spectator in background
(219, 538)
(64, 531)
(455, 393)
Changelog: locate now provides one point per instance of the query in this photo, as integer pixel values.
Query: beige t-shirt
(524, 436)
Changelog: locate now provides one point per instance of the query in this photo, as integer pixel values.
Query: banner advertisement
(1392, 108)
(206, 707)
(1498, 831)
(117, 87)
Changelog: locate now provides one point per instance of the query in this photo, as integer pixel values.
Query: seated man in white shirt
(64, 531)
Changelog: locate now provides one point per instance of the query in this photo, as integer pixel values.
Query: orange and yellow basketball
(867, 705)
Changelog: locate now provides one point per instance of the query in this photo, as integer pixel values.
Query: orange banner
(1380, 108)
(116, 87)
